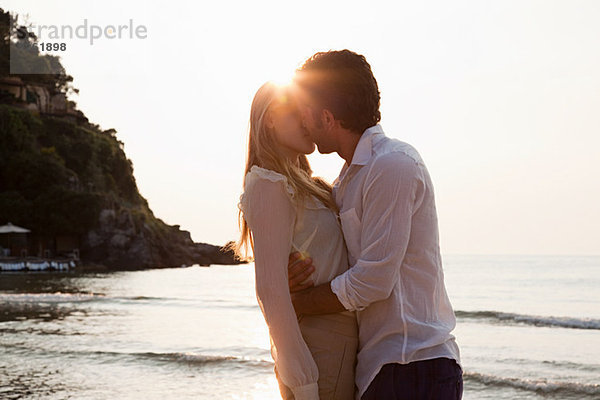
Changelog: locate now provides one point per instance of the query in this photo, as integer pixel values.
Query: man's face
(312, 121)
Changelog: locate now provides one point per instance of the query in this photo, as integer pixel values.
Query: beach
(528, 328)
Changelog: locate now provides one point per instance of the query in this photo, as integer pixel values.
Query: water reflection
(43, 296)
(12, 311)
(30, 381)
(42, 282)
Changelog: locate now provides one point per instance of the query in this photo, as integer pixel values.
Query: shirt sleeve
(270, 214)
(392, 191)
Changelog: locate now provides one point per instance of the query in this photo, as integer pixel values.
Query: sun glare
(281, 73)
(283, 78)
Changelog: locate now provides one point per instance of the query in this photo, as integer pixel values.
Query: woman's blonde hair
(263, 151)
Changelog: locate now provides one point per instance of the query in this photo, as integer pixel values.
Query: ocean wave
(534, 320)
(203, 359)
(57, 297)
(181, 358)
(79, 297)
(139, 298)
(254, 357)
(189, 358)
(538, 386)
(30, 330)
(573, 365)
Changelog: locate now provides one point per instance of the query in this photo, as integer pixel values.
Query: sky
(501, 99)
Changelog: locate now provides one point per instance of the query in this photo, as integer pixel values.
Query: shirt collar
(364, 147)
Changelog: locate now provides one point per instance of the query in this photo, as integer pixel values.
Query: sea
(528, 328)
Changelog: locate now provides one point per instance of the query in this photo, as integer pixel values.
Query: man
(395, 282)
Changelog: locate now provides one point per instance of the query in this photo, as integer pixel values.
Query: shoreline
(65, 264)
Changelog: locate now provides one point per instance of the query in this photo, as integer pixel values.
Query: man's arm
(392, 192)
(316, 300)
(390, 199)
(306, 298)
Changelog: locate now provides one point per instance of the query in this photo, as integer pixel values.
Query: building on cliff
(39, 98)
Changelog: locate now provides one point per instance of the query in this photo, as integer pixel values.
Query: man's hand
(298, 271)
(306, 298)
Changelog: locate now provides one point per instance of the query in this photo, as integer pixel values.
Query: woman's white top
(278, 229)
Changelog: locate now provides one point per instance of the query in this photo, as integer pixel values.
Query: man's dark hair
(342, 82)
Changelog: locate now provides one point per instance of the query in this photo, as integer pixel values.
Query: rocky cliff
(61, 177)
(127, 239)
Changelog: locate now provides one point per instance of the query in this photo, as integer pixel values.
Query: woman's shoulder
(258, 174)
(265, 173)
(264, 185)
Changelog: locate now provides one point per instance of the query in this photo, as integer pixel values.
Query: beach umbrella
(10, 228)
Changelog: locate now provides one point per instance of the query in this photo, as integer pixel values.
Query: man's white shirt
(395, 282)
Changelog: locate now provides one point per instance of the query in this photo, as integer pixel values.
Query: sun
(282, 77)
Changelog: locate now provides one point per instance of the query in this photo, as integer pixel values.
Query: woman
(284, 209)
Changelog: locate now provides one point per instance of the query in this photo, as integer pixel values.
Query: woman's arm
(270, 215)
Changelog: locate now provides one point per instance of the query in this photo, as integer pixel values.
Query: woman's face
(286, 122)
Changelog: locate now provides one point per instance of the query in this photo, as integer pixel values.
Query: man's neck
(347, 145)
